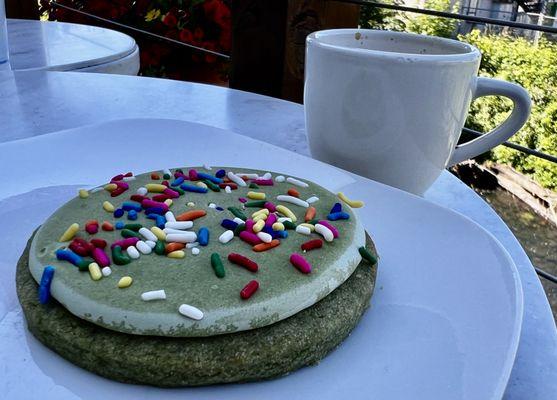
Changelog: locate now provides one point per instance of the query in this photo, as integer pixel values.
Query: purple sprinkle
(243, 200)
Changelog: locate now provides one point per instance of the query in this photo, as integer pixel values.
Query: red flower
(186, 36)
(170, 19)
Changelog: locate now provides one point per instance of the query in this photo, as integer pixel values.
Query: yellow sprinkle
(110, 187)
(258, 226)
(190, 204)
(310, 226)
(158, 233)
(259, 217)
(108, 207)
(278, 226)
(168, 202)
(124, 282)
(259, 212)
(70, 233)
(176, 254)
(286, 212)
(201, 185)
(256, 196)
(155, 188)
(83, 193)
(95, 271)
(351, 203)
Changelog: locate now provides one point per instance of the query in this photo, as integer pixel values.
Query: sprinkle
(118, 213)
(128, 233)
(100, 257)
(271, 219)
(131, 205)
(44, 287)
(249, 237)
(178, 181)
(304, 230)
(282, 219)
(310, 214)
(203, 236)
(209, 177)
(155, 176)
(278, 226)
(337, 207)
(184, 237)
(190, 204)
(166, 173)
(194, 188)
(171, 193)
(155, 187)
(237, 213)
(176, 254)
(280, 178)
(95, 271)
(264, 237)
(249, 289)
(312, 199)
(180, 225)
(133, 252)
(367, 255)
(142, 191)
(351, 203)
(110, 187)
(263, 211)
(191, 312)
(220, 173)
(258, 226)
(168, 202)
(338, 215)
(270, 206)
(191, 245)
(236, 179)
(169, 216)
(309, 226)
(81, 247)
(289, 224)
(229, 224)
(143, 247)
(192, 174)
(240, 228)
(119, 257)
(296, 182)
(267, 175)
(312, 244)
(195, 251)
(226, 236)
(106, 271)
(300, 263)
(253, 185)
(242, 199)
(264, 182)
(325, 232)
(286, 212)
(200, 184)
(69, 233)
(107, 226)
(216, 263)
(207, 167)
(245, 262)
(98, 242)
(125, 282)
(132, 215)
(293, 200)
(293, 192)
(227, 189)
(108, 207)
(266, 246)
(151, 243)
(170, 230)
(191, 215)
(170, 247)
(238, 220)
(150, 204)
(160, 248)
(125, 243)
(153, 295)
(83, 193)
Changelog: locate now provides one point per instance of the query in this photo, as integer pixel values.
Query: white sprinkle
(312, 199)
(183, 237)
(267, 175)
(128, 178)
(239, 221)
(190, 312)
(96, 189)
(143, 247)
(296, 182)
(282, 219)
(304, 230)
(226, 237)
(142, 191)
(236, 179)
(179, 224)
(201, 185)
(195, 251)
(280, 178)
(325, 232)
(170, 230)
(192, 245)
(166, 171)
(227, 189)
(154, 295)
(132, 252)
(212, 205)
(106, 271)
(248, 175)
(169, 215)
(151, 243)
(265, 237)
(293, 200)
(147, 234)
(207, 167)
(190, 204)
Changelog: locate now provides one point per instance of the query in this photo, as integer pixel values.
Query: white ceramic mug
(391, 106)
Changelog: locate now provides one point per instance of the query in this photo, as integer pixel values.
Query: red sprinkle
(81, 247)
(293, 192)
(192, 174)
(245, 262)
(160, 197)
(250, 237)
(98, 242)
(107, 226)
(264, 182)
(249, 289)
(165, 183)
(312, 244)
(117, 192)
(92, 227)
(301, 263)
(155, 176)
(137, 197)
(232, 185)
(128, 174)
(118, 177)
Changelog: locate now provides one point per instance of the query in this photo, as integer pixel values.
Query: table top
(36, 103)
(61, 46)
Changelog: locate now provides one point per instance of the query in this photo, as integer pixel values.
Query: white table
(35, 103)
(61, 46)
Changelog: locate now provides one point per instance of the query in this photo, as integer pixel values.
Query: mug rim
(315, 38)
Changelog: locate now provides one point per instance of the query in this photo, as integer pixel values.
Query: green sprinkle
(159, 248)
(289, 225)
(179, 190)
(211, 185)
(253, 185)
(166, 176)
(366, 254)
(237, 213)
(216, 262)
(84, 265)
(133, 227)
(128, 233)
(313, 221)
(239, 228)
(256, 203)
(119, 257)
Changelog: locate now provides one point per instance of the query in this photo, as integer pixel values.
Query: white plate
(444, 320)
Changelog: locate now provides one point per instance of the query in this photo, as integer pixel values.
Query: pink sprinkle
(122, 185)
(264, 182)
(92, 228)
(148, 203)
(243, 199)
(192, 173)
(250, 237)
(171, 193)
(270, 206)
(178, 174)
(271, 219)
(100, 257)
(118, 177)
(125, 243)
(301, 263)
(249, 225)
(331, 227)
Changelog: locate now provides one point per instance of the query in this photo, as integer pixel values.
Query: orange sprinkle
(293, 192)
(191, 215)
(266, 246)
(310, 214)
(155, 176)
(107, 226)
(170, 247)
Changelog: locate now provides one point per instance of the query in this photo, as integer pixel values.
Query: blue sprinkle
(337, 216)
(228, 224)
(68, 255)
(132, 215)
(178, 181)
(214, 179)
(160, 220)
(220, 173)
(203, 236)
(192, 188)
(281, 234)
(118, 213)
(119, 225)
(154, 210)
(131, 205)
(44, 287)
(219, 209)
(336, 208)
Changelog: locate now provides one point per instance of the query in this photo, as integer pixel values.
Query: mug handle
(515, 121)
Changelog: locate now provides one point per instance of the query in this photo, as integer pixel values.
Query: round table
(61, 46)
(35, 103)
